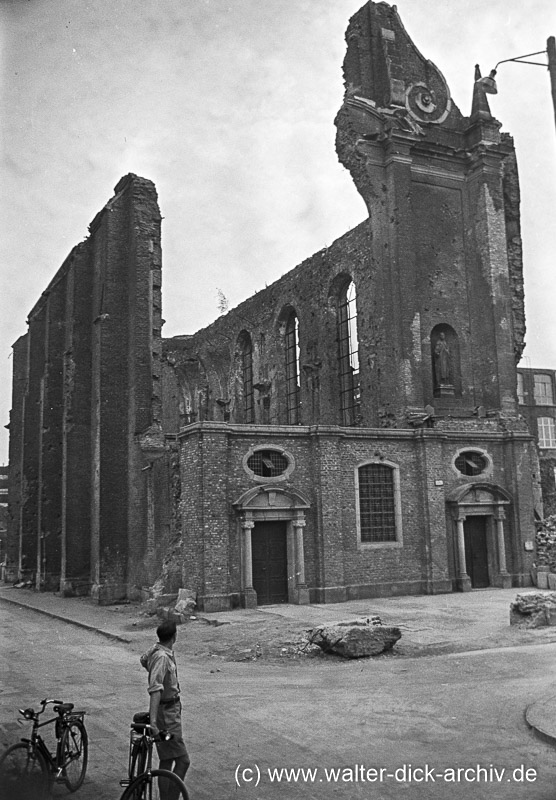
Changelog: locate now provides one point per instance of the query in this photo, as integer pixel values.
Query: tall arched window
(350, 386)
(246, 356)
(291, 344)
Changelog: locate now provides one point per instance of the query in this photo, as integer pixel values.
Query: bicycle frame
(149, 739)
(61, 721)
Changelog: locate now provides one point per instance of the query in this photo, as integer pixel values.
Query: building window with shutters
(378, 504)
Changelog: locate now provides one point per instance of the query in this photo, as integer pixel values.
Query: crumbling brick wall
(86, 384)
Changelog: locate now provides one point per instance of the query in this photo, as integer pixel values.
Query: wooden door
(270, 562)
(476, 552)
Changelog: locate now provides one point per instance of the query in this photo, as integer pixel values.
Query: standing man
(165, 703)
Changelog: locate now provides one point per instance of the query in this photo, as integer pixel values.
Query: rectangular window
(544, 395)
(377, 504)
(547, 432)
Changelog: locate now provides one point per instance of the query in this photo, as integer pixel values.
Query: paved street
(444, 712)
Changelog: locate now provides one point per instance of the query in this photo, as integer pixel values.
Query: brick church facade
(350, 431)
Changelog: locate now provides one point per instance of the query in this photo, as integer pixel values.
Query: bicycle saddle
(141, 718)
(64, 708)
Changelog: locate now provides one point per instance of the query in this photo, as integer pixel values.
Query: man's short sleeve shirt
(163, 674)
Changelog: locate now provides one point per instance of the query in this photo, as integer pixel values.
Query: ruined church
(351, 431)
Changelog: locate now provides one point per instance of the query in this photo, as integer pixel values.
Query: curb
(537, 725)
(84, 625)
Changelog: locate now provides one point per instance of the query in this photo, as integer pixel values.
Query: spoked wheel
(159, 784)
(74, 754)
(24, 773)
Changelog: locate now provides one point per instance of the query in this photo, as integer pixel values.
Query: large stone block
(359, 639)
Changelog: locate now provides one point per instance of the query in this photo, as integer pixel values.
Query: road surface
(432, 727)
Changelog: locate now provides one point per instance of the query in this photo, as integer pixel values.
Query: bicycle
(28, 769)
(145, 783)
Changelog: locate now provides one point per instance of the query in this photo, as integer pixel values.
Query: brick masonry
(86, 384)
(150, 478)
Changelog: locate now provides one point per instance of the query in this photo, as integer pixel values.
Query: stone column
(301, 590)
(463, 581)
(504, 580)
(248, 594)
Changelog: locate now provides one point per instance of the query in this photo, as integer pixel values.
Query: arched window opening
(292, 369)
(350, 385)
(246, 355)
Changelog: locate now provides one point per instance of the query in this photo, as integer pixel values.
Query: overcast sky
(228, 106)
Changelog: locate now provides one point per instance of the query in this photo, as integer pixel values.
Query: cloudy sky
(228, 106)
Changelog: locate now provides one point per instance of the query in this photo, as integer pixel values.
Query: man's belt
(171, 702)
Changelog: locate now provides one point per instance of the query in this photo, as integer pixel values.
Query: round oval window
(471, 463)
(268, 463)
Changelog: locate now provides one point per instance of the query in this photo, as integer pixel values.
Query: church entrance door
(476, 553)
(270, 562)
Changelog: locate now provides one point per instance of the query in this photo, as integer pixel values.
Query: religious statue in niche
(443, 366)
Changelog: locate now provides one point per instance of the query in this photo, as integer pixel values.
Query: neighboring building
(350, 431)
(536, 395)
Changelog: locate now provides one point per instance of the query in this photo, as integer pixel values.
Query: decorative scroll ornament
(426, 104)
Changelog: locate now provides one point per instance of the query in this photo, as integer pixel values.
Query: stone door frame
(486, 500)
(271, 503)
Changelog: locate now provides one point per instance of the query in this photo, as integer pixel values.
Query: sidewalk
(430, 625)
(109, 621)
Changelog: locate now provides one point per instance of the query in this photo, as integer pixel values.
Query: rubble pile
(546, 543)
(534, 609)
(178, 607)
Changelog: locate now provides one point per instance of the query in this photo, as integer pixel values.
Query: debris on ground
(534, 609)
(177, 606)
(356, 639)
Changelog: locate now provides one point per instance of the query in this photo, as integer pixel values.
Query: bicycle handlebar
(30, 713)
(163, 736)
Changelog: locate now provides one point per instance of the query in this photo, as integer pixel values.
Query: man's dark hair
(166, 630)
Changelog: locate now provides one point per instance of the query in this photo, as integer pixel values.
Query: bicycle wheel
(159, 784)
(24, 773)
(73, 754)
